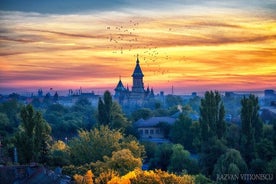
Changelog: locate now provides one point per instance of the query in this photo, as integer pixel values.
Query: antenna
(172, 90)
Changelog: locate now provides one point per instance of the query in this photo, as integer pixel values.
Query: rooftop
(153, 121)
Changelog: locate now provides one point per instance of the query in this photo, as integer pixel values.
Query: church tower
(138, 94)
(120, 92)
(137, 78)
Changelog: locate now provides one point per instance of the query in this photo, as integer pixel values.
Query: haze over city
(191, 45)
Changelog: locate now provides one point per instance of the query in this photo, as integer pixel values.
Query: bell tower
(137, 79)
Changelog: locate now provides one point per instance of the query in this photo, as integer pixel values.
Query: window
(151, 131)
(146, 131)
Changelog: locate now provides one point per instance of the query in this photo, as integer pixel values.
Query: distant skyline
(191, 45)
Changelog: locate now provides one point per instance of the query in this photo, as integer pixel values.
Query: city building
(152, 130)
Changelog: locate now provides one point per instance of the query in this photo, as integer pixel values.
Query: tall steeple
(137, 78)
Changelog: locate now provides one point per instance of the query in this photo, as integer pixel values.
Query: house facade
(151, 129)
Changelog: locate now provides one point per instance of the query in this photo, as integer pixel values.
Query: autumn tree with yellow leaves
(137, 176)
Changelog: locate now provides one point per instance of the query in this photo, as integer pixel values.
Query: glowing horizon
(192, 47)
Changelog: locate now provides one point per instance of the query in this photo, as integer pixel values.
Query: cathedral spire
(137, 77)
(137, 60)
(137, 71)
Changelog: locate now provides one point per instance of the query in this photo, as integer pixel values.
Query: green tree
(162, 157)
(141, 113)
(180, 132)
(210, 152)
(33, 136)
(274, 133)
(5, 126)
(266, 150)
(93, 145)
(233, 136)
(173, 100)
(150, 149)
(196, 143)
(201, 179)
(12, 110)
(101, 112)
(213, 128)
(194, 103)
(83, 112)
(251, 127)
(212, 116)
(230, 162)
(250, 117)
(104, 109)
(65, 121)
(110, 113)
(181, 162)
(119, 121)
(271, 166)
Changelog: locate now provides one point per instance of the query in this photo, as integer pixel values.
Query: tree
(12, 110)
(180, 132)
(65, 121)
(154, 177)
(33, 136)
(104, 109)
(251, 127)
(172, 100)
(213, 128)
(266, 150)
(233, 136)
(121, 161)
(210, 152)
(119, 121)
(83, 111)
(212, 116)
(196, 144)
(162, 157)
(136, 176)
(230, 162)
(271, 166)
(180, 161)
(59, 154)
(110, 113)
(5, 126)
(195, 103)
(250, 117)
(141, 113)
(274, 133)
(86, 179)
(93, 145)
(106, 176)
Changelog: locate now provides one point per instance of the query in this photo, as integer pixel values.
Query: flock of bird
(124, 39)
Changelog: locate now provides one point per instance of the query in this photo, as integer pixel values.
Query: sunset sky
(191, 45)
